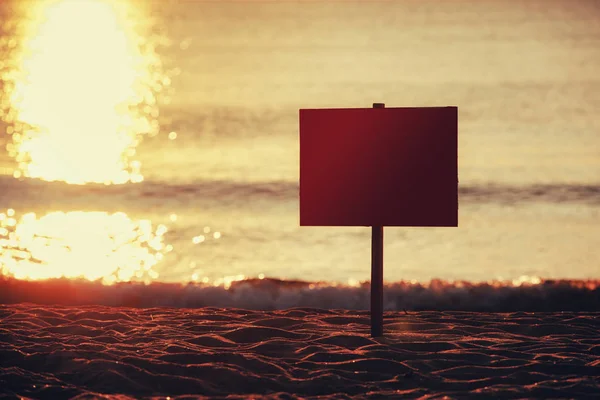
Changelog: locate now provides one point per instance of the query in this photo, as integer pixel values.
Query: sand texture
(86, 351)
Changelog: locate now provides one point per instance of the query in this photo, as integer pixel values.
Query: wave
(531, 294)
(550, 193)
(231, 192)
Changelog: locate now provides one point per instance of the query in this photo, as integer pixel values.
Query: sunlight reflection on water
(80, 84)
(89, 245)
(82, 90)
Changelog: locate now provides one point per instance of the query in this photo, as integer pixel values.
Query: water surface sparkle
(82, 91)
(89, 245)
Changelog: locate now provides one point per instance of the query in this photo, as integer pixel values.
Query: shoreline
(532, 294)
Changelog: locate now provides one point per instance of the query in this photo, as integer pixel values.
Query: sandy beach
(117, 352)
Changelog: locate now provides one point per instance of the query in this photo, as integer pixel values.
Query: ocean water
(217, 140)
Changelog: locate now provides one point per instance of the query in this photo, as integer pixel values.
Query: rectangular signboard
(379, 167)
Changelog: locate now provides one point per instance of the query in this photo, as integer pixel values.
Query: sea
(153, 147)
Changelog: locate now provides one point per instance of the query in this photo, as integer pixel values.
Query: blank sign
(379, 167)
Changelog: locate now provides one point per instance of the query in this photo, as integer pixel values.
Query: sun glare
(88, 245)
(83, 94)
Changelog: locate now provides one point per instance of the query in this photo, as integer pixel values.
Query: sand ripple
(85, 351)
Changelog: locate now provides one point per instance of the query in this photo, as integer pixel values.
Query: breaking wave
(527, 294)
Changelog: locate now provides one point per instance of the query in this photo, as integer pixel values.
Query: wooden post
(377, 273)
(377, 281)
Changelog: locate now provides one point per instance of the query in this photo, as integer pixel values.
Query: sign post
(377, 273)
(379, 167)
(376, 281)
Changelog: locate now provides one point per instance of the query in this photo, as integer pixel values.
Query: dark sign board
(379, 167)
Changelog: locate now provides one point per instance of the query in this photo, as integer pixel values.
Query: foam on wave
(272, 294)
